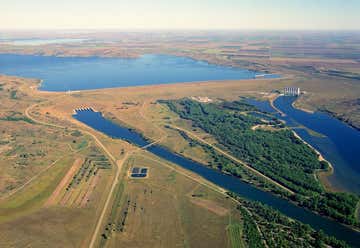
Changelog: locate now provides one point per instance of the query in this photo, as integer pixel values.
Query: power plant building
(291, 91)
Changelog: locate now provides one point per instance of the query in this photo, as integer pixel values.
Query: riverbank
(341, 118)
(321, 174)
(230, 183)
(58, 73)
(302, 108)
(110, 100)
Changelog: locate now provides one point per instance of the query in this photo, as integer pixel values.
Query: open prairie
(191, 214)
(59, 203)
(63, 184)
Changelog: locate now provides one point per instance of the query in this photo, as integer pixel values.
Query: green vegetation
(16, 116)
(279, 155)
(279, 230)
(118, 214)
(35, 194)
(235, 231)
(224, 164)
(92, 164)
(253, 237)
(76, 133)
(82, 144)
(13, 94)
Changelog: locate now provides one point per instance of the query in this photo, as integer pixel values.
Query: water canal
(98, 122)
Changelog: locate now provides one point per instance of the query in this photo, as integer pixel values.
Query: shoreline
(330, 171)
(138, 54)
(320, 175)
(165, 86)
(159, 84)
(188, 83)
(271, 100)
(301, 108)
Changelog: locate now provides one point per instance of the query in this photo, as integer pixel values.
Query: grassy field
(40, 212)
(137, 221)
(134, 108)
(35, 160)
(171, 207)
(33, 196)
(46, 207)
(235, 232)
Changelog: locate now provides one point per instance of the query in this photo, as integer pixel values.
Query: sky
(181, 14)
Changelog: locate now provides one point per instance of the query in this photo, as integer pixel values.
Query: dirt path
(91, 188)
(357, 211)
(272, 100)
(210, 205)
(206, 184)
(119, 165)
(30, 180)
(198, 179)
(233, 158)
(141, 113)
(101, 145)
(65, 181)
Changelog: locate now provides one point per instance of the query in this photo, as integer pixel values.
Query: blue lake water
(66, 73)
(98, 122)
(340, 143)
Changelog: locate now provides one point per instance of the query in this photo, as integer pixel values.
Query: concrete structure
(291, 91)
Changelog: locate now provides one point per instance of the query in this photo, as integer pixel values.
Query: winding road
(119, 165)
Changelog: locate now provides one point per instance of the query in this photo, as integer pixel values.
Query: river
(98, 122)
(338, 142)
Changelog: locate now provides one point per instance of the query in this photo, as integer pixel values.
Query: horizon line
(177, 29)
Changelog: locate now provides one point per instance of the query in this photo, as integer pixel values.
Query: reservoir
(335, 140)
(98, 122)
(84, 73)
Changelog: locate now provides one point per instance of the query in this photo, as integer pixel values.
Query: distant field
(318, 62)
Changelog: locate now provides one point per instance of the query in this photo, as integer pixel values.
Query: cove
(231, 183)
(339, 143)
(85, 73)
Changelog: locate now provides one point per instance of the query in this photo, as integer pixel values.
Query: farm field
(37, 165)
(191, 214)
(49, 212)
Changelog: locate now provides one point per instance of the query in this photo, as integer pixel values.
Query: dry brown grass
(64, 182)
(211, 206)
(161, 213)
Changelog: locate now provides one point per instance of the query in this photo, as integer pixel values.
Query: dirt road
(232, 158)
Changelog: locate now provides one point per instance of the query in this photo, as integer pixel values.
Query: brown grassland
(52, 193)
(39, 206)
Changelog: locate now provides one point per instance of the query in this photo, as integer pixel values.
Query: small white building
(292, 91)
